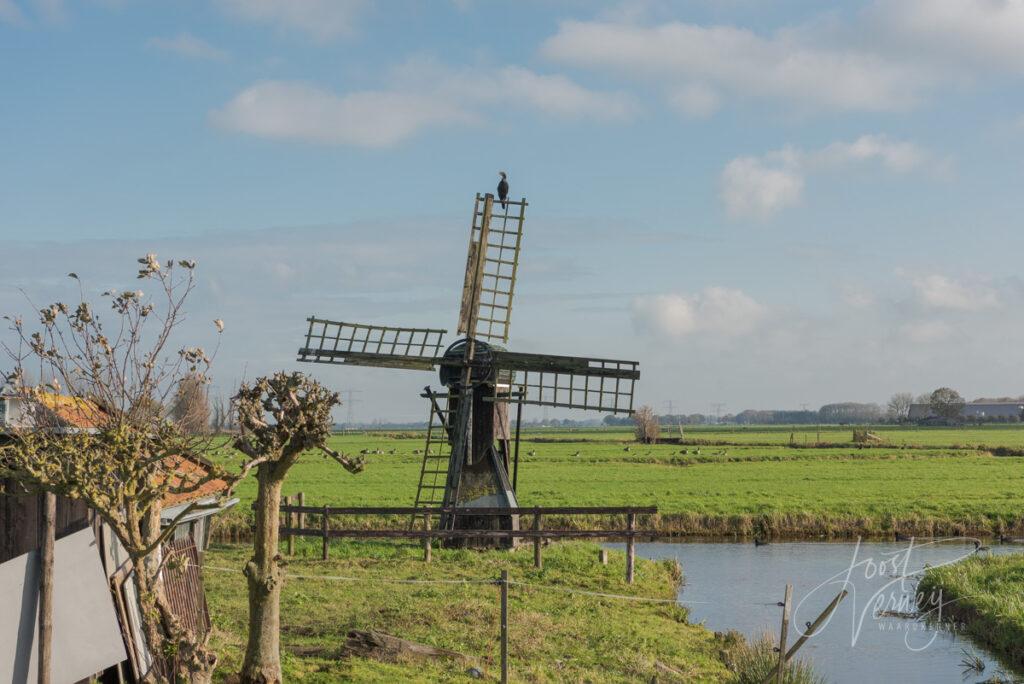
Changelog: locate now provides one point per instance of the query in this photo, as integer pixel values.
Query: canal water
(737, 586)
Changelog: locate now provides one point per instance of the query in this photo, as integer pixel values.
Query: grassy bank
(555, 636)
(986, 594)
(725, 489)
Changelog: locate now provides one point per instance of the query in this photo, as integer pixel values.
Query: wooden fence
(295, 525)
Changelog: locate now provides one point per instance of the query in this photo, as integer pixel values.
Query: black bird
(978, 548)
(758, 541)
(503, 189)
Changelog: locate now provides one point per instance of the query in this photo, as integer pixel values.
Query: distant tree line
(945, 405)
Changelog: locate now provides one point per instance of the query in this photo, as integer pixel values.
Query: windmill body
(471, 455)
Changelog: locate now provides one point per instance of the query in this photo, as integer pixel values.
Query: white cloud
(558, 95)
(323, 20)
(511, 87)
(51, 11)
(925, 332)
(895, 155)
(741, 62)
(187, 45)
(942, 292)
(715, 310)
(752, 187)
(419, 95)
(10, 13)
(761, 186)
(297, 111)
(694, 99)
(986, 33)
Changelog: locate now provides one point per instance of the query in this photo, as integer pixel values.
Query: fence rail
(295, 516)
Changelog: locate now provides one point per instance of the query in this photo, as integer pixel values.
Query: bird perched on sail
(503, 189)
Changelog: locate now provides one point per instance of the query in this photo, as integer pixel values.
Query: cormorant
(503, 189)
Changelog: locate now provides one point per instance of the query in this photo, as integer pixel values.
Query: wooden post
(504, 627)
(426, 540)
(302, 516)
(602, 556)
(49, 532)
(630, 548)
(519, 420)
(783, 633)
(537, 561)
(290, 518)
(816, 624)
(810, 631)
(323, 529)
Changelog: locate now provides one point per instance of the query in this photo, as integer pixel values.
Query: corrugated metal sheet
(183, 585)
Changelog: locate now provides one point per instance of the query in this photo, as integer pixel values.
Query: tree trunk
(192, 662)
(263, 653)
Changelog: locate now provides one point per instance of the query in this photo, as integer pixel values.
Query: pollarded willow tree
(117, 369)
(279, 418)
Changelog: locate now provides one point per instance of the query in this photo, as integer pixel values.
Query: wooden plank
(567, 365)
(504, 627)
(457, 510)
(325, 531)
(440, 533)
(630, 548)
(783, 633)
(537, 560)
(48, 502)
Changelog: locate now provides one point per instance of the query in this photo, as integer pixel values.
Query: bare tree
(647, 428)
(117, 376)
(219, 416)
(300, 419)
(899, 406)
(191, 408)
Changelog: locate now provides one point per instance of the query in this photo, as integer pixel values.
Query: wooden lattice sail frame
(470, 443)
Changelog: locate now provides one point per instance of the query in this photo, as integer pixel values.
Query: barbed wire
(390, 580)
(466, 582)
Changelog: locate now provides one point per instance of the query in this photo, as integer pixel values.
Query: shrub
(647, 427)
(754, 662)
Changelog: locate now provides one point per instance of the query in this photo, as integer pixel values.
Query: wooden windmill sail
(470, 444)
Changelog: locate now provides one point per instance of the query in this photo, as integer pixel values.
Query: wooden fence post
(537, 561)
(290, 518)
(323, 528)
(783, 633)
(504, 626)
(602, 556)
(302, 516)
(811, 630)
(426, 540)
(49, 505)
(630, 548)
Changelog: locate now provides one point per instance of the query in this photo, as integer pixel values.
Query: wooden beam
(49, 532)
(470, 510)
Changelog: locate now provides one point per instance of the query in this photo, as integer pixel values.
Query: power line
(349, 414)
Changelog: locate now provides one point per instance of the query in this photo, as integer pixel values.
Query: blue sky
(766, 204)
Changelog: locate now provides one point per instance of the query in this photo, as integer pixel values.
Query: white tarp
(86, 636)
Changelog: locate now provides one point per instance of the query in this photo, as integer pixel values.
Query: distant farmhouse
(981, 411)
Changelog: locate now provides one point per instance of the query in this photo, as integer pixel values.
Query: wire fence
(504, 582)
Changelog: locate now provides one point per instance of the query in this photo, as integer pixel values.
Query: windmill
(466, 462)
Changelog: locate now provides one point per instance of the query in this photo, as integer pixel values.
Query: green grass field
(987, 595)
(926, 481)
(717, 482)
(554, 636)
